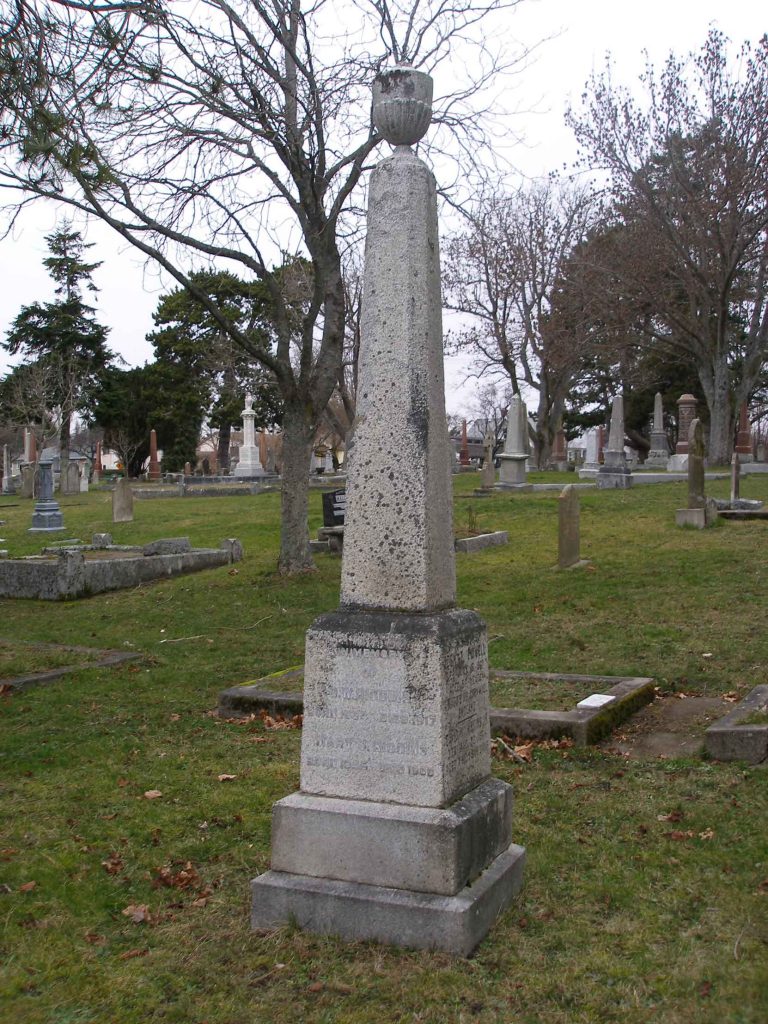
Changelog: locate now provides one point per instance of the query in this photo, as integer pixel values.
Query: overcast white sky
(584, 30)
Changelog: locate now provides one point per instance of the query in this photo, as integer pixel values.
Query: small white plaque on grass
(595, 700)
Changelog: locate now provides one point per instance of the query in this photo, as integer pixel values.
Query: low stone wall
(482, 540)
(70, 574)
(730, 739)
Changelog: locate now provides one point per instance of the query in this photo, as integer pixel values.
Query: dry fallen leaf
(316, 986)
(139, 913)
(132, 953)
(672, 816)
(186, 877)
(677, 834)
(525, 751)
(708, 833)
(94, 939)
(226, 778)
(28, 887)
(113, 865)
(175, 718)
(122, 783)
(731, 697)
(152, 794)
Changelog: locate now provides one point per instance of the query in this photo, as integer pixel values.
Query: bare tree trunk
(298, 434)
(222, 452)
(721, 415)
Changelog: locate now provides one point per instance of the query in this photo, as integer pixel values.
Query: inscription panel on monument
(393, 718)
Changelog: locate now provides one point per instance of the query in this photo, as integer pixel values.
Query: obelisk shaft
(398, 535)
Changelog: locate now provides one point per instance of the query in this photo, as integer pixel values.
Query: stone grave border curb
(729, 740)
(482, 540)
(70, 576)
(105, 659)
(583, 725)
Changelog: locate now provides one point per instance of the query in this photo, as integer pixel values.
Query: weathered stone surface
(731, 740)
(569, 534)
(249, 459)
(122, 502)
(695, 517)
(517, 448)
(658, 456)
(396, 683)
(71, 575)
(168, 546)
(27, 486)
(8, 487)
(396, 707)
(398, 531)
(454, 924)
(614, 472)
(69, 478)
(735, 478)
(101, 540)
(696, 492)
(686, 414)
(233, 547)
(468, 545)
(419, 848)
(47, 517)
(488, 475)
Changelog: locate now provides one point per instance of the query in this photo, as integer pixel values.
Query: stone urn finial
(402, 105)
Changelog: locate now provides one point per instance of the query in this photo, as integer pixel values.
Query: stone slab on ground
(469, 545)
(417, 920)
(584, 726)
(102, 658)
(730, 739)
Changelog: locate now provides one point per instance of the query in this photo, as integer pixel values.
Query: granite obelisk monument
(399, 833)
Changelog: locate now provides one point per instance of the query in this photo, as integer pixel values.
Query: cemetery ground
(133, 819)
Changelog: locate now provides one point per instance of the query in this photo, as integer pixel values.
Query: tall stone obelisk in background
(517, 448)
(614, 472)
(399, 833)
(249, 462)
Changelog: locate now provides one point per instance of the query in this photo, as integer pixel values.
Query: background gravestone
(569, 533)
(334, 506)
(122, 501)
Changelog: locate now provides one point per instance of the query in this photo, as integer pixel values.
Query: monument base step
(424, 849)
(417, 920)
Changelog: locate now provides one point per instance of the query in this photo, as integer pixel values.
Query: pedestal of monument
(399, 833)
(614, 473)
(512, 473)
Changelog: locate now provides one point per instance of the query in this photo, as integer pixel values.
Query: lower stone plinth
(696, 517)
(422, 849)
(610, 478)
(353, 911)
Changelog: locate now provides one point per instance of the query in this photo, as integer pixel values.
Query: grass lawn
(132, 819)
